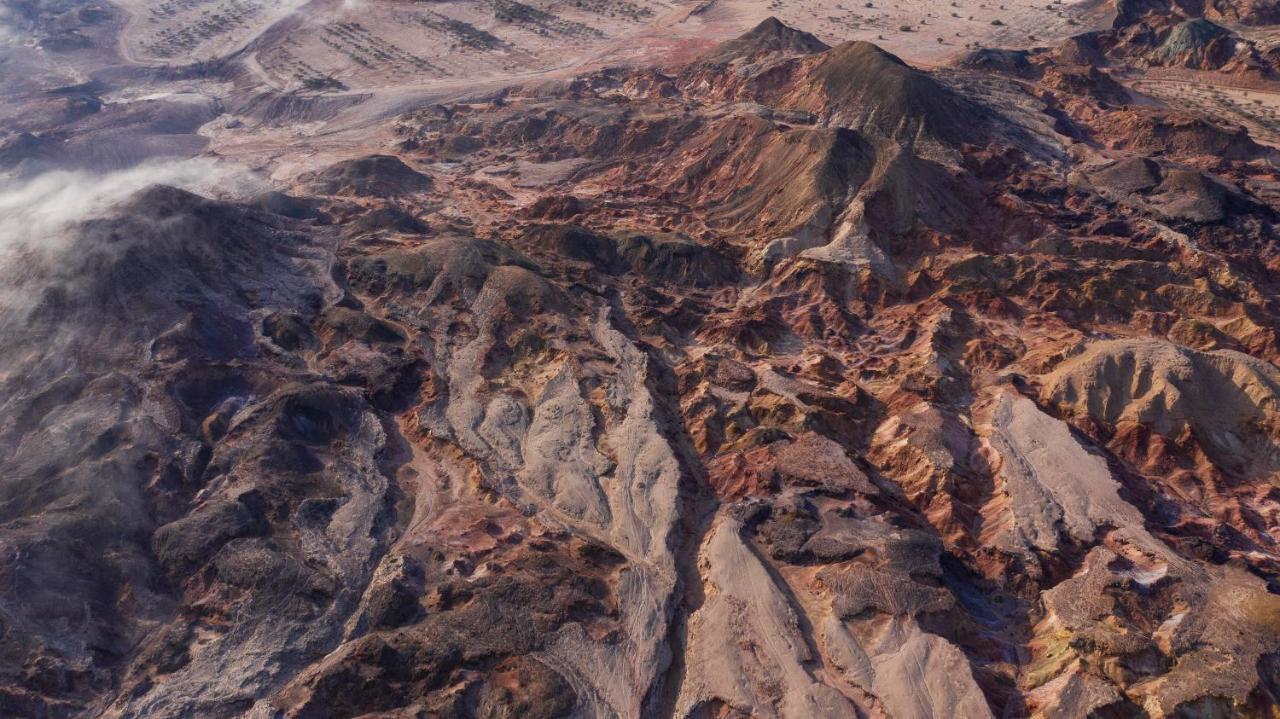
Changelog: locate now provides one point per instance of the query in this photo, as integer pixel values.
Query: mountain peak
(869, 86)
(770, 37)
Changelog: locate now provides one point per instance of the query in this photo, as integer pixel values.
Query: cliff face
(791, 382)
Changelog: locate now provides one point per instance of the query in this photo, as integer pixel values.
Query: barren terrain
(635, 359)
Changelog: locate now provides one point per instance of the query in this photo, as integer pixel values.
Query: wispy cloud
(36, 212)
(10, 30)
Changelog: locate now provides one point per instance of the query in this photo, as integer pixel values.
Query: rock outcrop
(789, 381)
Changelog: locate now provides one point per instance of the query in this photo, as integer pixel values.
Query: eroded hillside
(790, 380)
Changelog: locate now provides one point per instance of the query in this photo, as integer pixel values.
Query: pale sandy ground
(385, 44)
(180, 31)
(399, 55)
(920, 31)
(1258, 110)
(1245, 100)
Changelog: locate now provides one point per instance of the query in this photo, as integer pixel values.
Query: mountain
(766, 378)
(770, 37)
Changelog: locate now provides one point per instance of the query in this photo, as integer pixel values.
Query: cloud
(10, 32)
(36, 212)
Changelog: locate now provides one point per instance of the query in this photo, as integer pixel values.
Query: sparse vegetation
(614, 8)
(184, 37)
(540, 21)
(467, 35)
(368, 50)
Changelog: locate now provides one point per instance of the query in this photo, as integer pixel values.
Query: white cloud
(10, 34)
(36, 212)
